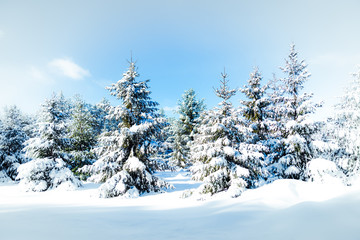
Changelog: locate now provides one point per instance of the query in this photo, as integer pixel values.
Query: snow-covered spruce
(344, 129)
(82, 135)
(161, 159)
(291, 111)
(13, 134)
(124, 153)
(183, 129)
(47, 170)
(102, 122)
(255, 107)
(256, 126)
(221, 161)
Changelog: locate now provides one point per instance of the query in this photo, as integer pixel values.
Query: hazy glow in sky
(83, 46)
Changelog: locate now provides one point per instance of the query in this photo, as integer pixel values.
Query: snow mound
(288, 192)
(324, 171)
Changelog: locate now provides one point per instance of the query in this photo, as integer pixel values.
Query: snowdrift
(284, 209)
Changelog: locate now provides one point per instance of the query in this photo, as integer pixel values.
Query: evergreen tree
(51, 139)
(255, 109)
(344, 128)
(47, 148)
(217, 149)
(183, 129)
(256, 126)
(124, 154)
(161, 159)
(296, 129)
(100, 113)
(82, 135)
(13, 134)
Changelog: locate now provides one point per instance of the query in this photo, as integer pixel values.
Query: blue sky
(80, 47)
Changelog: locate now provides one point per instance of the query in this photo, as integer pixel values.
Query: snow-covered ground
(285, 209)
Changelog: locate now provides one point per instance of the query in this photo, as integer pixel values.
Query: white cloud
(69, 69)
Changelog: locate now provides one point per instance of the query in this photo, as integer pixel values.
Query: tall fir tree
(52, 128)
(124, 154)
(293, 112)
(82, 135)
(256, 128)
(220, 163)
(47, 149)
(161, 159)
(189, 110)
(100, 112)
(344, 129)
(255, 108)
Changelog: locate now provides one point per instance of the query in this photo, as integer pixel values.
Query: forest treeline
(269, 136)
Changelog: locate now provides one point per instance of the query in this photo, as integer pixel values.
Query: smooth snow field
(285, 209)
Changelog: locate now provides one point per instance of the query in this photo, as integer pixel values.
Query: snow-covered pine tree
(254, 108)
(220, 164)
(82, 135)
(256, 125)
(13, 134)
(189, 110)
(124, 154)
(345, 128)
(160, 160)
(276, 129)
(100, 112)
(48, 170)
(295, 107)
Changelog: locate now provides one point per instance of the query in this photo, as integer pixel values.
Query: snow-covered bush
(324, 171)
(46, 173)
(133, 180)
(219, 175)
(47, 148)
